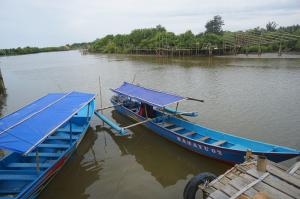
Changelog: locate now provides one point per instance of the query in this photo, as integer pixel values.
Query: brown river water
(257, 98)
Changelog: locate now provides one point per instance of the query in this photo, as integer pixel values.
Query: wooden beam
(132, 125)
(237, 194)
(108, 107)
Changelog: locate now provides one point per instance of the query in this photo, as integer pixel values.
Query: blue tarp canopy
(24, 129)
(146, 95)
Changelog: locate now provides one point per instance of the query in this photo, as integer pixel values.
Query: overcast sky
(52, 22)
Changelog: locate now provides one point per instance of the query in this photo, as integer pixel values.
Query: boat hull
(219, 153)
(32, 189)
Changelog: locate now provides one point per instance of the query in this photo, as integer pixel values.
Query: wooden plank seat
(19, 172)
(52, 155)
(17, 177)
(204, 138)
(62, 137)
(10, 190)
(27, 165)
(188, 133)
(166, 124)
(59, 146)
(219, 143)
(177, 129)
(74, 129)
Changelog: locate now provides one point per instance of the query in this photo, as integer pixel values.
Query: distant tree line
(32, 50)
(159, 37)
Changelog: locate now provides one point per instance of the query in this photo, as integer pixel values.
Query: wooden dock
(245, 181)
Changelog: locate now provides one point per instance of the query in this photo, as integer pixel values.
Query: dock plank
(271, 191)
(278, 184)
(229, 190)
(244, 181)
(219, 195)
(239, 183)
(284, 176)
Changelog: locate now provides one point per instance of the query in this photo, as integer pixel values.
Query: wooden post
(261, 163)
(100, 96)
(146, 113)
(2, 86)
(279, 51)
(259, 46)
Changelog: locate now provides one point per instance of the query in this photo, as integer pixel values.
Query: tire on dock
(192, 186)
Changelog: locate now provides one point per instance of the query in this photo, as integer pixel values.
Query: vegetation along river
(257, 98)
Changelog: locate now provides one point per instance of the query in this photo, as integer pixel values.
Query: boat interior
(18, 172)
(197, 133)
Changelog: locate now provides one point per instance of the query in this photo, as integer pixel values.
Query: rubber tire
(191, 187)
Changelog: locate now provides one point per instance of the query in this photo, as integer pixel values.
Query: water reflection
(81, 171)
(166, 161)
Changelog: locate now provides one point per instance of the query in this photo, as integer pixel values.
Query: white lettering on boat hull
(199, 146)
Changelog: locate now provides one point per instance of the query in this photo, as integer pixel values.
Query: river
(257, 98)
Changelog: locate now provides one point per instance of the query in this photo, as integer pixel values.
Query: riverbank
(34, 50)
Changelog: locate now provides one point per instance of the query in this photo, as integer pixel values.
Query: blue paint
(190, 114)
(18, 173)
(120, 130)
(233, 150)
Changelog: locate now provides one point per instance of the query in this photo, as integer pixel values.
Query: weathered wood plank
(209, 190)
(224, 180)
(272, 192)
(176, 129)
(239, 183)
(278, 184)
(219, 195)
(284, 176)
(188, 133)
(229, 190)
(294, 168)
(279, 166)
(166, 124)
(219, 143)
(296, 176)
(203, 138)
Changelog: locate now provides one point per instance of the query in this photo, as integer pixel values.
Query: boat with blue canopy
(149, 107)
(39, 138)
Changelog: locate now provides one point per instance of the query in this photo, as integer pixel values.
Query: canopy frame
(53, 130)
(146, 101)
(12, 120)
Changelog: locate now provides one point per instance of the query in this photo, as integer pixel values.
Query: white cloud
(50, 22)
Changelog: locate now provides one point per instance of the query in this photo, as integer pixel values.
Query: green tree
(271, 26)
(215, 25)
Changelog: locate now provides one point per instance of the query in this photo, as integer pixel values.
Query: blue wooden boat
(147, 106)
(39, 138)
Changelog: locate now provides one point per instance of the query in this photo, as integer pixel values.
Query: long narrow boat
(39, 138)
(147, 106)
